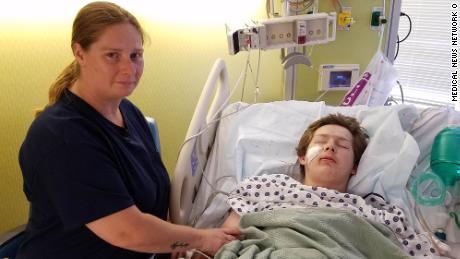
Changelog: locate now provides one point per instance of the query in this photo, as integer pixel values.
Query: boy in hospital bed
(328, 152)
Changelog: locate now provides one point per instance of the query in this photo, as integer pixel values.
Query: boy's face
(334, 164)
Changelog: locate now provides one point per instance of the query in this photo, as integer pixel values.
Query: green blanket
(311, 233)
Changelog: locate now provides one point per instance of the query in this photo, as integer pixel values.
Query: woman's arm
(232, 221)
(133, 230)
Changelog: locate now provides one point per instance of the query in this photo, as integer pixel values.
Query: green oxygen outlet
(375, 18)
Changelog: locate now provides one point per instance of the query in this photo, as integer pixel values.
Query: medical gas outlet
(377, 18)
(344, 20)
(284, 32)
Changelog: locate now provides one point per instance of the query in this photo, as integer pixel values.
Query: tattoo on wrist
(178, 245)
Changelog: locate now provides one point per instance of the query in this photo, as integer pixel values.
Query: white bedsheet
(275, 191)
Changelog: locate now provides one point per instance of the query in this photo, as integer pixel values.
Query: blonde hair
(88, 25)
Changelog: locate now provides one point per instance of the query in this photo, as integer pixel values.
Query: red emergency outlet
(301, 39)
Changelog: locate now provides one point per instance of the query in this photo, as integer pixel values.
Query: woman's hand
(213, 239)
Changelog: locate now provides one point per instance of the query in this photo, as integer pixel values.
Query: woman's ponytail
(67, 77)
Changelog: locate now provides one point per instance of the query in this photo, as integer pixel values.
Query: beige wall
(178, 60)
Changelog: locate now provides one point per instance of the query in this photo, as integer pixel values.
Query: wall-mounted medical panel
(284, 32)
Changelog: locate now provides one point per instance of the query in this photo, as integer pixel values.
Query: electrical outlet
(280, 33)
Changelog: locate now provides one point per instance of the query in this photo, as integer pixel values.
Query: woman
(96, 185)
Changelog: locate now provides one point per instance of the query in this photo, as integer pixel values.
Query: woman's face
(334, 164)
(113, 65)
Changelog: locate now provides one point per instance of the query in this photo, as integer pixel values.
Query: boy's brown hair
(360, 138)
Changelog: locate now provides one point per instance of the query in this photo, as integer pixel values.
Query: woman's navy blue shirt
(78, 167)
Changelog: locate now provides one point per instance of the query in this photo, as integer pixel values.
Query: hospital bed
(226, 143)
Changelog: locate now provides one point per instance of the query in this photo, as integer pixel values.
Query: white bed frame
(195, 150)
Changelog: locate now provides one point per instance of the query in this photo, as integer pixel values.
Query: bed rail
(198, 142)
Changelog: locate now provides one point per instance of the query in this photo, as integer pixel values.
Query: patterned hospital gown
(275, 191)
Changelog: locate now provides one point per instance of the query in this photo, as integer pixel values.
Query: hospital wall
(178, 58)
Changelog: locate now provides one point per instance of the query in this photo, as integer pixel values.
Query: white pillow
(268, 134)
(262, 138)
